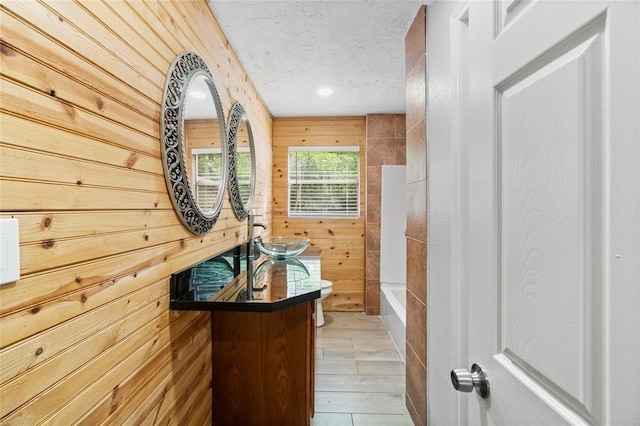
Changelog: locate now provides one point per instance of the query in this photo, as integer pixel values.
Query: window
(324, 181)
(207, 168)
(243, 170)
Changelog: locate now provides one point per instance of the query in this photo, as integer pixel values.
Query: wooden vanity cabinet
(264, 366)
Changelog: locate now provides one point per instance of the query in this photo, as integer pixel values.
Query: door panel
(546, 212)
(540, 208)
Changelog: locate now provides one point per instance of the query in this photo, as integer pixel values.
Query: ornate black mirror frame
(240, 207)
(184, 69)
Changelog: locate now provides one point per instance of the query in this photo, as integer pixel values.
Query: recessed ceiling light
(325, 91)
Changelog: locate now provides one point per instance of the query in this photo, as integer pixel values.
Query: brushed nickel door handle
(465, 381)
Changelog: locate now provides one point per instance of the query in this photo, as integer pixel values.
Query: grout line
(342, 320)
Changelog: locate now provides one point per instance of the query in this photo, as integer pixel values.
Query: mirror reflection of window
(243, 161)
(242, 167)
(206, 173)
(202, 143)
(243, 164)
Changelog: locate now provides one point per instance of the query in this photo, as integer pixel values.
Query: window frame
(194, 168)
(357, 181)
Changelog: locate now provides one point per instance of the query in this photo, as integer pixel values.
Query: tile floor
(360, 376)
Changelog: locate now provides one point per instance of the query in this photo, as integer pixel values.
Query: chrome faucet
(253, 224)
(250, 256)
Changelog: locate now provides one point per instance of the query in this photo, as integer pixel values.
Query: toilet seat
(325, 284)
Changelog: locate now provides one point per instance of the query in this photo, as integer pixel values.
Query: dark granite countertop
(220, 283)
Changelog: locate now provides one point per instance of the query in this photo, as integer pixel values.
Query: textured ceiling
(292, 48)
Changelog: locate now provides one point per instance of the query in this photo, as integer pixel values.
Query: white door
(553, 246)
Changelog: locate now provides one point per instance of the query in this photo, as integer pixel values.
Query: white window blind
(207, 168)
(324, 181)
(243, 169)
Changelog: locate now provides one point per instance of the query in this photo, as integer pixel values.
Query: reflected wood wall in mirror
(242, 162)
(194, 145)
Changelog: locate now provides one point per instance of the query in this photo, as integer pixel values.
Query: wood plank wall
(342, 241)
(86, 335)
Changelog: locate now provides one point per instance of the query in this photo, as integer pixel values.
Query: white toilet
(325, 290)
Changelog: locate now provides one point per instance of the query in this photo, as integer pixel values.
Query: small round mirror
(194, 143)
(242, 162)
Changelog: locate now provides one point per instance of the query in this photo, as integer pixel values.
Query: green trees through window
(324, 182)
(208, 168)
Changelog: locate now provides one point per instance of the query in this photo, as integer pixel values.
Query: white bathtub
(393, 310)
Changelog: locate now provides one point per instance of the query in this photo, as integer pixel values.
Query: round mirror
(194, 143)
(242, 162)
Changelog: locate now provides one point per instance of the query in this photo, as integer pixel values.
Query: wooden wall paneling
(43, 226)
(336, 140)
(118, 376)
(199, 413)
(344, 301)
(27, 134)
(341, 240)
(24, 30)
(209, 419)
(57, 364)
(189, 398)
(26, 196)
(125, 34)
(59, 253)
(107, 271)
(100, 42)
(312, 126)
(125, 354)
(143, 389)
(33, 351)
(81, 89)
(19, 99)
(188, 35)
(160, 27)
(43, 78)
(37, 227)
(20, 324)
(330, 228)
(132, 17)
(19, 164)
(203, 133)
(345, 254)
(155, 391)
(182, 388)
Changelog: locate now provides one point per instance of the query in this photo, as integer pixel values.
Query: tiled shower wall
(416, 62)
(385, 146)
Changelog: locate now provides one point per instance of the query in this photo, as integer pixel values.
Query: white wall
(393, 225)
(445, 71)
